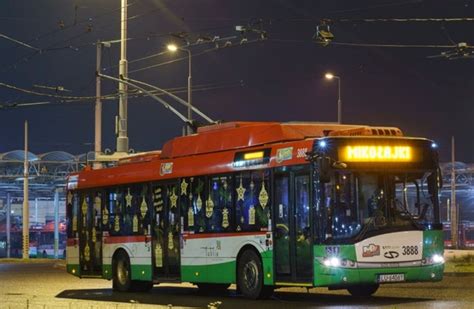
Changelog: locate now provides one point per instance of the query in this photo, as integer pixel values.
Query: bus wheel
(122, 281)
(212, 288)
(250, 276)
(364, 290)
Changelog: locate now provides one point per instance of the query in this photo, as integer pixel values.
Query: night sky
(279, 79)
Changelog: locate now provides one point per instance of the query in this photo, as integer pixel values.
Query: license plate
(391, 278)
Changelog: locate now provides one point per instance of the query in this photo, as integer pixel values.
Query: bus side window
(185, 197)
(198, 189)
(252, 200)
(115, 203)
(219, 204)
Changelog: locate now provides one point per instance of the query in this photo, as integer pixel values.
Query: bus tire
(364, 290)
(250, 276)
(122, 274)
(212, 288)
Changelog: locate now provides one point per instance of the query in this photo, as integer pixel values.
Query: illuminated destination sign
(377, 153)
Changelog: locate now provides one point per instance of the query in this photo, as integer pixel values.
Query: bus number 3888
(410, 250)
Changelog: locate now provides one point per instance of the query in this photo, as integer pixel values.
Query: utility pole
(26, 211)
(122, 138)
(98, 106)
(454, 216)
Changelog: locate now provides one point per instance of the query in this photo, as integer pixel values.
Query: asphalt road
(47, 285)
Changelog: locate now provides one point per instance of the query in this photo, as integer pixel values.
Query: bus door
(292, 232)
(166, 231)
(90, 234)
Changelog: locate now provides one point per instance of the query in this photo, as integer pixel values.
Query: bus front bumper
(340, 277)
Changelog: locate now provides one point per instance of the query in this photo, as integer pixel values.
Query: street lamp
(173, 48)
(330, 76)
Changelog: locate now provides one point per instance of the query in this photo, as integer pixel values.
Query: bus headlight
(437, 259)
(434, 259)
(332, 261)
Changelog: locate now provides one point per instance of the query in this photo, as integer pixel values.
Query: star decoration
(173, 199)
(128, 199)
(240, 191)
(184, 187)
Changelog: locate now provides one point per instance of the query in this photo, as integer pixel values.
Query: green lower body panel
(73, 269)
(142, 272)
(331, 276)
(267, 261)
(139, 272)
(216, 273)
(107, 272)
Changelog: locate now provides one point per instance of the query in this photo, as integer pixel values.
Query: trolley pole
(26, 212)
(122, 138)
(454, 216)
(98, 106)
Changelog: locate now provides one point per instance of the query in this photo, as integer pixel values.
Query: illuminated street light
(173, 48)
(330, 76)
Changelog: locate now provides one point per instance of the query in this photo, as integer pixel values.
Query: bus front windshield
(357, 205)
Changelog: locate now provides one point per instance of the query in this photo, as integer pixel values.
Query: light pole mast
(190, 79)
(122, 138)
(454, 216)
(330, 76)
(26, 210)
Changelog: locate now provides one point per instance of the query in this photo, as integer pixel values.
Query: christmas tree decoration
(209, 207)
(190, 217)
(251, 215)
(225, 218)
(97, 202)
(117, 223)
(94, 235)
(135, 223)
(170, 240)
(105, 216)
(158, 256)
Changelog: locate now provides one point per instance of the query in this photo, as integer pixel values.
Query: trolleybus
(262, 206)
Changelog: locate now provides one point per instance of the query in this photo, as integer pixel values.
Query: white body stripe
(218, 249)
(139, 252)
(72, 254)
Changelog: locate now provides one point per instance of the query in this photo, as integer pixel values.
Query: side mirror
(324, 164)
